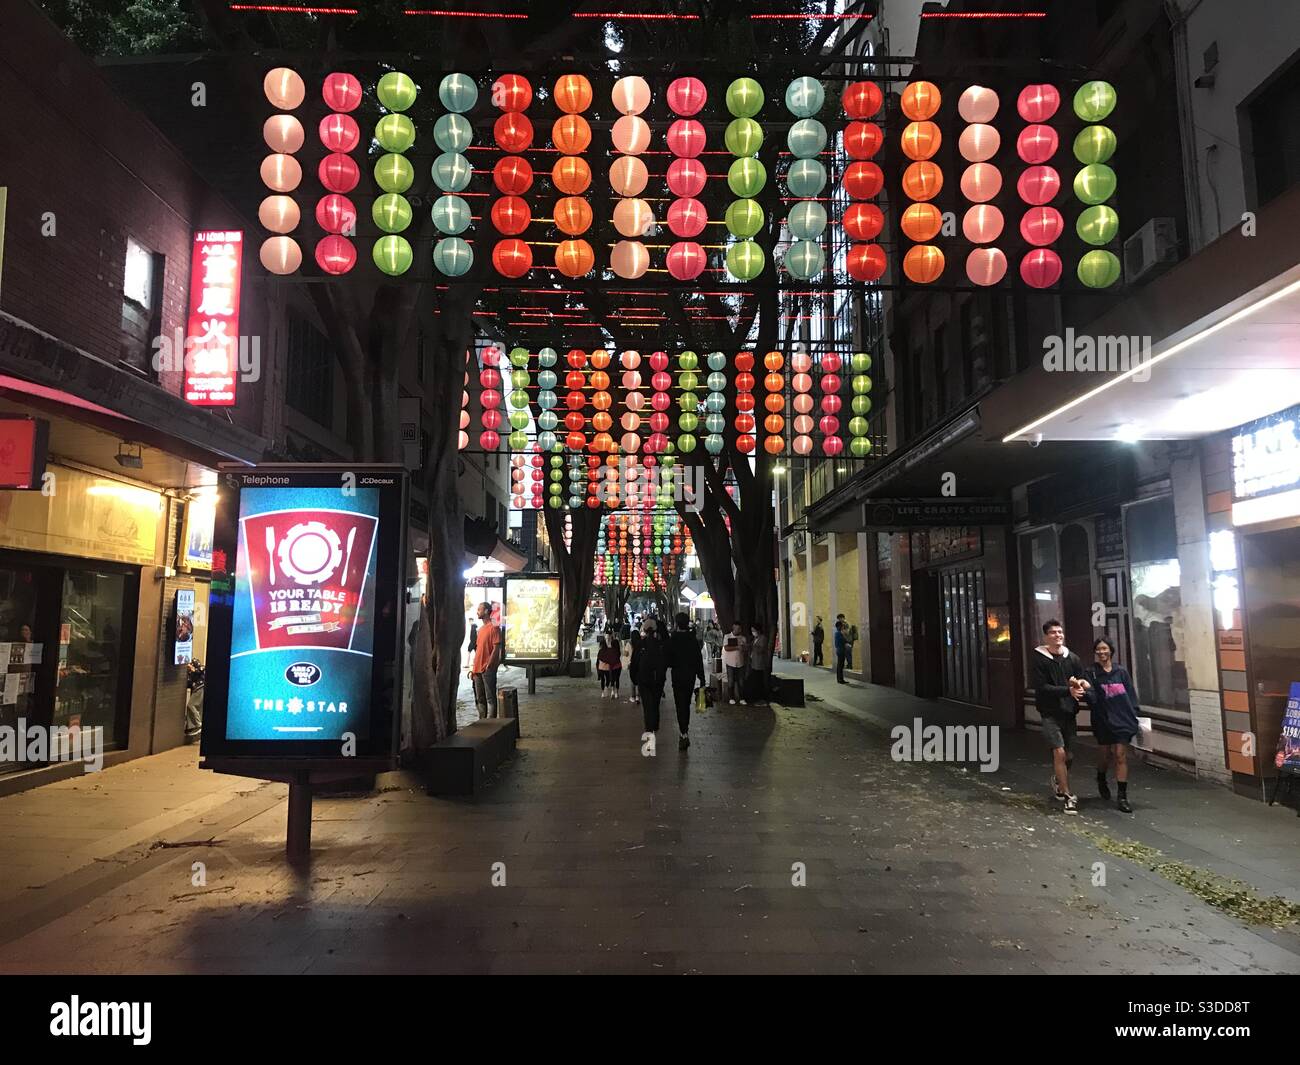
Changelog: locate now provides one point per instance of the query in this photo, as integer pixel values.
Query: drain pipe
(1178, 19)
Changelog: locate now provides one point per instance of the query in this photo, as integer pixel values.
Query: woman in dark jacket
(634, 665)
(649, 665)
(1113, 703)
(687, 663)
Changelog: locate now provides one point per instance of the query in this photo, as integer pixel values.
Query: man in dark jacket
(1057, 678)
(818, 638)
(687, 664)
(650, 663)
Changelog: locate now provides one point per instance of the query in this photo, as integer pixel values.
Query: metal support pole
(532, 680)
(298, 838)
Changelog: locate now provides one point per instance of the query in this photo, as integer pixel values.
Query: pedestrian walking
(651, 663)
(487, 660)
(839, 644)
(1056, 675)
(758, 658)
(687, 664)
(818, 638)
(634, 663)
(712, 645)
(1114, 704)
(609, 664)
(735, 660)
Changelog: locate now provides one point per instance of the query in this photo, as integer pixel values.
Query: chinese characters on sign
(212, 329)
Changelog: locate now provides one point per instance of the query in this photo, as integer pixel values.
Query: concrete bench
(461, 763)
(788, 691)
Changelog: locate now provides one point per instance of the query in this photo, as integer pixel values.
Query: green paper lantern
(806, 178)
(744, 218)
(453, 256)
(717, 361)
(519, 358)
(518, 379)
(745, 260)
(1094, 144)
(394, 173)
(453, 133)
(519, 416)
(743, 136)
(1097, 225)
(805, 259)
(804, 97)
(857, 426)
(688, 360)
(1099, 269)
(806, 138)
(860, 383)
(746, 178)
(1095, 183)
(518, 440)
(860, 363)
(860, 404)
(391, 212)
(688, 381)
(1095, 100)
(395, 133)
(393, 255)
(859, 447)
(744, 98)
(807, 220)
(688, 422)
(451, 172)
(451, 215)
(396, 91)
(458, 92)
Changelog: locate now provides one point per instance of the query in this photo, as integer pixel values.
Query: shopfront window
(90, 652)
(20, 651)
(1157, 606)
(1040, 581)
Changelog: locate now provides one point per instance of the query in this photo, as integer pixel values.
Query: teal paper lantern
(453, 133)
(713, 443)
(717, 361)
(396, 91)
(806, 138)
(715, 421)
(1095, 183)
(1099, 269)
(546, 380)
(807, 220)
(744, 98)
(451, 215)
(745, 260)
(548, 357)
(1094, 144)
(458, 93)
(744, 218)
(451, 172)
(805, 259)
(393, 255)
(1098, 225)
(716, 383)
(743, 136)
(804, 97)
(395, 133)
(391, 212)
(746, 178)
(394, 173)
(806, 178)
(1095, 100)
(453, 256)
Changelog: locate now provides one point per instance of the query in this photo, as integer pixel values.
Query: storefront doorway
(1271, 565)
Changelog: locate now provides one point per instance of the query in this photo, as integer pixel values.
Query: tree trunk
(577, 565)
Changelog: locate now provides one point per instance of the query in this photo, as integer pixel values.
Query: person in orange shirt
(487, 658)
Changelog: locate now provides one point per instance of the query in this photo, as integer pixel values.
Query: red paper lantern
(335, 213)
(863, 180)
(489, 440)
(338, 172)
(1041, 226)
(512, 257)
(340, 133)
(686, 138)
(1039, 185)
(1038, 103)
(335, 254)
(866, 262)
(687, 177)
(862, 140)
(862, 99)
(863, 221)
(1041, 268)
(1037, 144)
(832, 445)
(511, 92)
(342, 92)
(512, 175)
(687, 218)
(511, 215)
(686, 260)
(513, 132)
(686, 96)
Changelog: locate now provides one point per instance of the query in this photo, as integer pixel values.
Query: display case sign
(532, 618)
(1288, 744)
(212, 328)
(303, 648)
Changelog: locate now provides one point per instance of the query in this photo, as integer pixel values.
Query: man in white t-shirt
(735, 660)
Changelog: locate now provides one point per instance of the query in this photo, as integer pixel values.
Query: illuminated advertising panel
(307, 587)
(532, 609)
(212, 328)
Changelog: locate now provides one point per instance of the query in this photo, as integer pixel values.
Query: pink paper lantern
(687, 218)
(1038, 103)
(801, 382)
(802, 445)
(982, 224)
(630, 443)
(686, 138)
(659, 361)
(1039, 185)
(1041, 268)
(335, 254)
(338, 172)
(986, 266)
(801, 363)
(803, 423)
(335, 213)
(981, 182)
(979, 143)
(340, 133)
(832, 445)
(831, 363)
(828, 424)
(686, 96)
(1041, 226)
(342, 92)
(1037, 144)
(686, 178)
(978, 104)
(831, 404)
(803, 401)
(630, 135)
(686, 260)
(489, 439)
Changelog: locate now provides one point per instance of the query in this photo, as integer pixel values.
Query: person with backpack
(650, 663)
(687, 664)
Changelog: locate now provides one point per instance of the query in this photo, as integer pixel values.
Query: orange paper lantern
(922, 222)
(571, 134)
(921, 100)
(571, 175)
(922, 181)
(573, 215)
(921, 140)
(923, 264)
(574, 258)
(573, 93)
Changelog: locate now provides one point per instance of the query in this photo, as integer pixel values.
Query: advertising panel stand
(304, 647)
(532, 613)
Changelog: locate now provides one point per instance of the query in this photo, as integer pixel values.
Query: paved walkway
(616, 862)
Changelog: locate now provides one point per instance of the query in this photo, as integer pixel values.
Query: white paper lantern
(283, 133)
(280, 255)
(279, 214)
(281, 173)
(284, 88)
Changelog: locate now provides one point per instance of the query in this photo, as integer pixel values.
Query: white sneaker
(732, 701)
(743, 703)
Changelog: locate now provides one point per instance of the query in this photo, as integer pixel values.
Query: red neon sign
(212, 329)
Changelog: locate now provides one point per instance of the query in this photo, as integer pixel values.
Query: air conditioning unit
(1153, 246)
